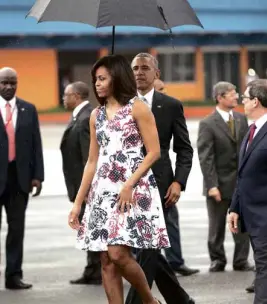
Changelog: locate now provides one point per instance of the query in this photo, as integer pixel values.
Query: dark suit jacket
(250, 197)
(75, 150)
(218, 152)
(29, 154)
(170, 121)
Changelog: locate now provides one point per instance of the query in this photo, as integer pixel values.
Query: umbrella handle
(166, 22)
(113, 39)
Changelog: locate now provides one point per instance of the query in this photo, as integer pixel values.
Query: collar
(261, 121)
(79, 107)
(148, 96)
(3, 102)
(224, 114)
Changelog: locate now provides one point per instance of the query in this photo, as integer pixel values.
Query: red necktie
(10, 133)
(251, 133)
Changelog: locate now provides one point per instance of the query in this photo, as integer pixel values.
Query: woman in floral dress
(124, 206)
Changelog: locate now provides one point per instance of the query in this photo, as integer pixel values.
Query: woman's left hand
(74, 217)
(125, 199)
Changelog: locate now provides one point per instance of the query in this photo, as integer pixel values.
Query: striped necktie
(231, 124)
(144, 100)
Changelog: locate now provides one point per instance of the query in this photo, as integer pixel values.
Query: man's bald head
(6, 71)
(8, 83)
(159, 86)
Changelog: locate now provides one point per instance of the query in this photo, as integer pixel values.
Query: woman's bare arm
(147, 127)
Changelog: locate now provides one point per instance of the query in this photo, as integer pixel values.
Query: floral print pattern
(120, 154)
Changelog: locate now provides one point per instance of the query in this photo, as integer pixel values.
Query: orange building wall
(190, 90)
(243, 67)
(37, 75)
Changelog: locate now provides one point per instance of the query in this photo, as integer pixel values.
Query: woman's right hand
(74, 217)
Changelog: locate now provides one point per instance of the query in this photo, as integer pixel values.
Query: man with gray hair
(219, 139)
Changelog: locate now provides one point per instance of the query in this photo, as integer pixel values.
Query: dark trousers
(156, 268)
(174, 253)
(259, 245)
(92, 269)
(217, 213)
(15, 203)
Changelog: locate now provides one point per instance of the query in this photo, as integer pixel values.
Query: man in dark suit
(22, 169)
(249, 200)
(75, 150)
(174, 253)
(219, 139)
(170, 123)
(251, 288)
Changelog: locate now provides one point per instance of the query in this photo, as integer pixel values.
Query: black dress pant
(156, 268)
(15, 203)
(259, 245)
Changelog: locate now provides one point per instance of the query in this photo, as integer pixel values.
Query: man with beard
(75, 150)
(22, 169)
(170, 121)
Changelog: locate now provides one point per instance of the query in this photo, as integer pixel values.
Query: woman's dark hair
(122, 78)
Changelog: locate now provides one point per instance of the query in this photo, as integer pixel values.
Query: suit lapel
(237, 123)
(66, 132)
(243, 148)
(223, 125)
(2, 125)
(20, 110)
(157, 106)
(262, 132)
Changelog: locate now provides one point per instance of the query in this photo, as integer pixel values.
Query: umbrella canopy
(162, 14)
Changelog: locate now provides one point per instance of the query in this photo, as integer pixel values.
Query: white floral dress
(120, 153)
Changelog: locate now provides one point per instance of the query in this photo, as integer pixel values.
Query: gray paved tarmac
(51, 259)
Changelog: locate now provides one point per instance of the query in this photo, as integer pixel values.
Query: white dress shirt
(14, 110)
(78, 108)
(148, 97)
(224, 114)
(259, 123)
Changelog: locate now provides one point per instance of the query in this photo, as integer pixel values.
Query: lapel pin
(22, 109)
(159, 106)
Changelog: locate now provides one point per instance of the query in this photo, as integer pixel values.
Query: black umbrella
(162, 14)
